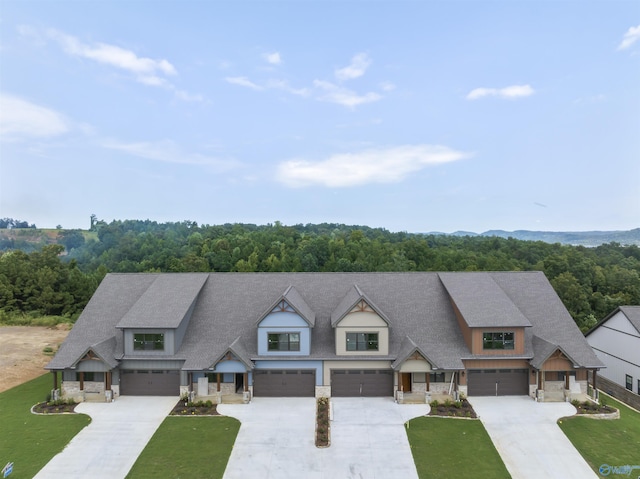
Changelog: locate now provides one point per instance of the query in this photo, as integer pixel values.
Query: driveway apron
(276, 439)
(110, 445)
(528, 439)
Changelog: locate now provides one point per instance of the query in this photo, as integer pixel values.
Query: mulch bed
(54, 408)
(322, 422)
(453, 409)
(589, 407)
(200, 408)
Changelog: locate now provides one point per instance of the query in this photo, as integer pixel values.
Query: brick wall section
(618, 392)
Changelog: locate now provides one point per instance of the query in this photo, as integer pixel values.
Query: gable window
(284, 342)
(362, 341)
(629, 382)
(148, 342)
(500, 340)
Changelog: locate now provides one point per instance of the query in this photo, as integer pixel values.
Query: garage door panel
(284, 383)
(498, 382)
(150, 383)
(361, 382)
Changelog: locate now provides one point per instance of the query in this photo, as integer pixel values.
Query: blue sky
(412, 116)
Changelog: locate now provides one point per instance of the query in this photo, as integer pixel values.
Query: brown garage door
(150, 383)
(284, 383)
(498, 382)
(361, 382)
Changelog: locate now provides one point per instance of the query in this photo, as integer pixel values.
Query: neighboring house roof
(482, 303)
(227, 306)
(166, 302)
(353, 297)
(632, 313)
(297, 302)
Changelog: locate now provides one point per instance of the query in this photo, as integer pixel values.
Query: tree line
(590, 281)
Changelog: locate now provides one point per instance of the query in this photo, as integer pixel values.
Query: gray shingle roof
(353, 296)
(297, 302)
(633, 315)
(166, 302)
(417, 305)
(481, 301)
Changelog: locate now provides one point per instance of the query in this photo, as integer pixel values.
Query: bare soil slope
(21, 352)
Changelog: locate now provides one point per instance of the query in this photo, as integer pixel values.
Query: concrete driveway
(276, 439)
(528, 439)
(110, 445)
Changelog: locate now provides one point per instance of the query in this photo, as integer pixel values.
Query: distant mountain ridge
(575, 238)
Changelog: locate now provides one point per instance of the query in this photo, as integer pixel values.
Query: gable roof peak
(294, 299)
(349, 301)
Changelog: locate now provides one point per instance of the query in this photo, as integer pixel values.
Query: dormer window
(498, 340)
(283, 341)
(362, 341)
(148, 342)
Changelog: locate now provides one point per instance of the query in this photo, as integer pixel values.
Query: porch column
(428, 377)
(107, 381)
(245, 381)
(81, 381)
(400, 383)
(190, 381)
(55, 379)
(540, 374)
(218, 382)
(566, 379)
(595, 372)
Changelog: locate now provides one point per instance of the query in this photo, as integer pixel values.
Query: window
(436, 377)
(148, 342)
(362, 341)
(499, 340)
(284, 342)
(90, 376)
(629, 382)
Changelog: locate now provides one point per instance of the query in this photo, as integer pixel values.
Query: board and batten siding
(617, 344)
(362, 322)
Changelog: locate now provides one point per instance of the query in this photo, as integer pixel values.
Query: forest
(57, 280)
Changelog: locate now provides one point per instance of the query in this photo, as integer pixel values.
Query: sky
(414, 116)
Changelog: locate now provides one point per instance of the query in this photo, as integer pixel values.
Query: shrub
(434, 403)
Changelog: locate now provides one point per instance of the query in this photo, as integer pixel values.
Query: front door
(406, 382)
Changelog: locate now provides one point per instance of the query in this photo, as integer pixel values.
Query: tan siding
(557, 364)
(415, 366)
(581, 375)
(362, 319)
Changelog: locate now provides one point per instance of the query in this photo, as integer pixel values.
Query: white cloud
(384, 165)
(272, 58)
(387, 86)
(510, 92)
(22, 119)
(167, 151)
(243, 81)
(357, 68)
(343, 96)
(283, 85)
(632, 36)
(115, 56)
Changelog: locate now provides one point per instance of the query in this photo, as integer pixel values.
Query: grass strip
(444, 447)
(29, 440)
(188, 447)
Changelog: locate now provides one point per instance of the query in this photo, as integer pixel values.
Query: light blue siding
(229, 367)
(284, 322)
(317, 365)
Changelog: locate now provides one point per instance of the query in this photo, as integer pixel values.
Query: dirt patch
(22, 357)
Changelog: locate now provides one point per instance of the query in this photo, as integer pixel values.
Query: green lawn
(188, 447)
(613, 442)
(29, 440)
(444, 447)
